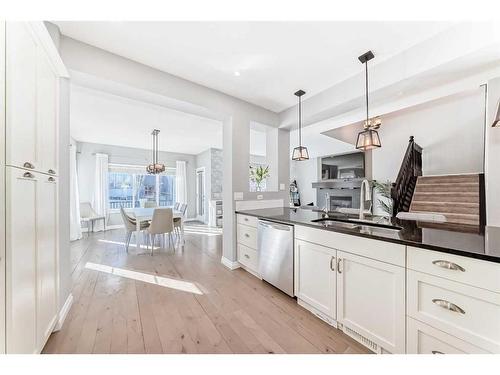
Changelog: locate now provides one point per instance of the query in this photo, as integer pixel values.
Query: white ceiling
(105, 118)
(274, 59)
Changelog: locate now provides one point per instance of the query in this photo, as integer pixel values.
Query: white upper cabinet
(21, 97)
(371, 301)
(315, 277)
(47, 92)
(31, 98)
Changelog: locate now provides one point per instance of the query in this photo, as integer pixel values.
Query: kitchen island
(396, 287)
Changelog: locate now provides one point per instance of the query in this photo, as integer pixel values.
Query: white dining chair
(176, 206)
(179, 220)
(131, 226)
(162, 223)
(89, 216)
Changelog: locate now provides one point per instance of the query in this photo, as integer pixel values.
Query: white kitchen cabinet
(315, 277)
(31, 283)
(46, 259)
(21, 241)
(31, 97)
(21, 95)
(2, 188)
(371, 302)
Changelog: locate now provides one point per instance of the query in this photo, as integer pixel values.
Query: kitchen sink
(354, 223)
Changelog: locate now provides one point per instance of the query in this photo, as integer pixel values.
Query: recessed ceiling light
(237, 74)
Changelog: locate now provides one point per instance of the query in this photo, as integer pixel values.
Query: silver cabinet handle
(332, 261)
(247, 235)
(51, 171)
(247, 256)
(28, 175)
(28, 165)
(51, 179)
(448, 265)
(448, 305)
(436, 352)
(338, 265)
(246, 218)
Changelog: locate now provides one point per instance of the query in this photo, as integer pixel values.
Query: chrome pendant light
(300, 153)
(155, 167)
(368, 138)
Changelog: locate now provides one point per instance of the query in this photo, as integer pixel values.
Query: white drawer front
(424, 339)
(379, 250)
(247, 236)
(480, 273)
(469, 313)
(248, 257)
(247, 220)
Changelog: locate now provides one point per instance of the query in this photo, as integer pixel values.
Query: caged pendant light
(300, 153)
(155, 167)
(368, 138)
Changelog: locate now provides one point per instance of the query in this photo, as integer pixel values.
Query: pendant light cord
(366, 84)
(300, 122)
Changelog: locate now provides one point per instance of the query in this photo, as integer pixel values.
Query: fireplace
(337, 201)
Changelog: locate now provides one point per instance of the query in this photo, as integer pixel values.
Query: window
(129, 186)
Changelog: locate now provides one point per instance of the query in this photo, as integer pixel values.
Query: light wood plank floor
(182, 301)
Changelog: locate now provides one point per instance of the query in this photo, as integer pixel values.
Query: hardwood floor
(182, 301)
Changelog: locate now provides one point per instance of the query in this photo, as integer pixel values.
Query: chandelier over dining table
(155, 167)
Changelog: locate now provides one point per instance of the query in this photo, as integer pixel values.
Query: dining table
(142, 214)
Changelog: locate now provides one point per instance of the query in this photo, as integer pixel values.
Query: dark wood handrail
(411, 168)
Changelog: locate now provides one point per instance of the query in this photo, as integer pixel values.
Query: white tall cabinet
(32, 72)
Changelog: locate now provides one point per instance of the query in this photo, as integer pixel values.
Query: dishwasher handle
(268, 224)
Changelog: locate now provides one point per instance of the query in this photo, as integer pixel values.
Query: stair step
(465, 197)
(447, 187)
(445, 207)
(462, 178)
(466, 219)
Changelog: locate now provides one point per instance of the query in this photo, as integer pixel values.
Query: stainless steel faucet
(326, 209)
(362, 198)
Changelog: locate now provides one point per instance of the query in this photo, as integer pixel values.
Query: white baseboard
(64, 312)
(230, 264)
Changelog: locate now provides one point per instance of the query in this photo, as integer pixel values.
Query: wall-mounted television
(343, 166)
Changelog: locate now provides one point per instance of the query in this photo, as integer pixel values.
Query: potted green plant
(383, 190)
(258, 175)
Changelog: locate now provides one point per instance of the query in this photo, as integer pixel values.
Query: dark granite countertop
(480, 243)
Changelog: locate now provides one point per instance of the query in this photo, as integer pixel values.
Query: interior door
(371, 300)
(21, 260)
(46, 258)
(200, 194)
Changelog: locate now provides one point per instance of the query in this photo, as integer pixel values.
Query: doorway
(200, 194)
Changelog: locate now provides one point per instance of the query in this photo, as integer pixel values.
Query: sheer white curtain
(180, 181)
(75, 230)
(100, 196)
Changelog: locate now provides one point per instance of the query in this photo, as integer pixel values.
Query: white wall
(131, 156)
(450, 130)
(305, 173)
(236, 115)
(492, 166)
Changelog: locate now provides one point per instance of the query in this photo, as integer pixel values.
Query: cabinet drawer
(247, 236)
(247, 220)
(475, 272)
(423, 339)
(469, 313)
(383, 251)
(248, 257)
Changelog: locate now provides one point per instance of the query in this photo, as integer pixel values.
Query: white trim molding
(63, 313)
(229, 263)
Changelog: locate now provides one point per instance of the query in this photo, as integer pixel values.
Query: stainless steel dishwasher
(275, 245)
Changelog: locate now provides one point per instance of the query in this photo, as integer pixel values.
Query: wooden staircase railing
(411, 167)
